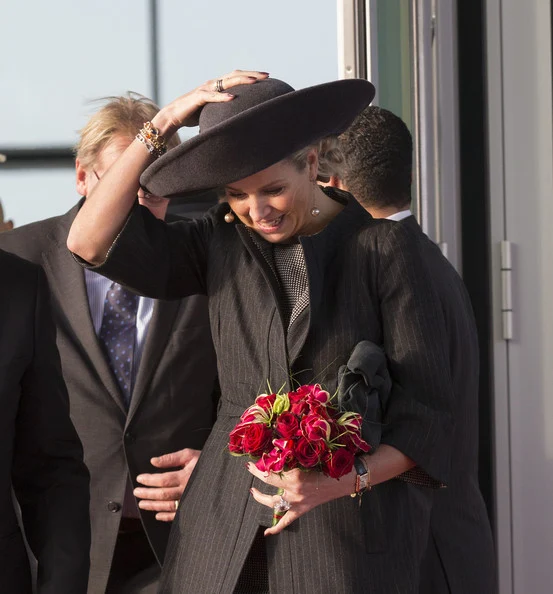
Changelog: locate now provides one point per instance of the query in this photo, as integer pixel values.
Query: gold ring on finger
(176, 504)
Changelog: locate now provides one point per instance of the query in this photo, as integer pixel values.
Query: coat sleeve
(49, 477)
(418, 419)
(157, 259)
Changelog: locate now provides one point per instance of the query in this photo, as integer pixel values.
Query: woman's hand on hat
(302, 490)
(184, 111)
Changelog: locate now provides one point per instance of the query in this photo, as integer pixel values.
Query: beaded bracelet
(152, 140)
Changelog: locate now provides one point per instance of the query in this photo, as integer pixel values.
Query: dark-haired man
(378, 172)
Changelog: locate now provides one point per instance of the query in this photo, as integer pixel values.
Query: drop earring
(229, 217)
(315, 212)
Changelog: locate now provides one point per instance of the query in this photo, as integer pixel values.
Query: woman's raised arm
(105, 211)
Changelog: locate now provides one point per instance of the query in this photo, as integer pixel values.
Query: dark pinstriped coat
(367, 281)
(460, 557)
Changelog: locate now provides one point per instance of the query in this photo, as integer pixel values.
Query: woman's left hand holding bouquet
(302, 490)
(306, 490)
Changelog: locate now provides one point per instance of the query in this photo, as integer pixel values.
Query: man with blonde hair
(141, 373)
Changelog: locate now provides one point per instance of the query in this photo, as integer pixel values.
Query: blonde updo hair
(331, 161)
(331, 158)
(120, 116)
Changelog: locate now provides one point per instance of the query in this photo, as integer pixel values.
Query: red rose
(299, 394)
(338, 463)
(287, 425)
(314, 428)
(266, 401)
(307, 453)
(236, 438)
(299, 408)
(257, 438)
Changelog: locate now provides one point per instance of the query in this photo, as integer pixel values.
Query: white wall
(521, 187)
(60, 54)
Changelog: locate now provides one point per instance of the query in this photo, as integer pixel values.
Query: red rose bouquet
(299, 429)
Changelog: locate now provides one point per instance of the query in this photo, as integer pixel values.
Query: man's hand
(163, 490)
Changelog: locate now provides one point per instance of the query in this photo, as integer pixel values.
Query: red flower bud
(287, 425)
(338, 463)
(309, 453)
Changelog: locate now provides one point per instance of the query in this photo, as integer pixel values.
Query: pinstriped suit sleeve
(157, 259)
(418, 419)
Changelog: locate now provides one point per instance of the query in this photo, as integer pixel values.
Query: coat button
(129, 437)
(114, 507)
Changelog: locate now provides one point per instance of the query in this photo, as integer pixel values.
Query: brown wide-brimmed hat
(265, 122)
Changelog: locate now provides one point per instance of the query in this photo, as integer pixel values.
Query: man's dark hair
(378, 149)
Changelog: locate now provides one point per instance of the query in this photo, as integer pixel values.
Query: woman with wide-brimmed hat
(297, 276)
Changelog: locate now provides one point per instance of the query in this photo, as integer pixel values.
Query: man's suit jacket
(41, 456)
(172, 404)
(460, 557)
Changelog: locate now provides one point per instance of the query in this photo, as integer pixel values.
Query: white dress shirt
(399, 216)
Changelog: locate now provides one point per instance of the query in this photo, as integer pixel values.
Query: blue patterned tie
(118, 333)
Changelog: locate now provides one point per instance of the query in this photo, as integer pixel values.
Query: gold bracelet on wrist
(152, 140)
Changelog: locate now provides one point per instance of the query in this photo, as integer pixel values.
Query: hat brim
(257, 138)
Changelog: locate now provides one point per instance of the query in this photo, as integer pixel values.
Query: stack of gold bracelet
(152, 140)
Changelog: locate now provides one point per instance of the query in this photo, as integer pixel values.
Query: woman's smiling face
(276, 202)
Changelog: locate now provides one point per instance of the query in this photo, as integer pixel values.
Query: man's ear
(82, 178)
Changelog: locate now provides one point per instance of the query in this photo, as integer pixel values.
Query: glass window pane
(294, 41)
(395, 63)
(32, 194)
(57, 55)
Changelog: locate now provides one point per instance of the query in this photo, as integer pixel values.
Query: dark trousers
(134, 568)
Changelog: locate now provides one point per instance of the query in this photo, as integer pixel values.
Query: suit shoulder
(375, 232)
(431, 251)
(30, 241)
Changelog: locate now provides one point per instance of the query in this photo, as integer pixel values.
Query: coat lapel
(69, 288)
(318, 250)
(157, 338)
